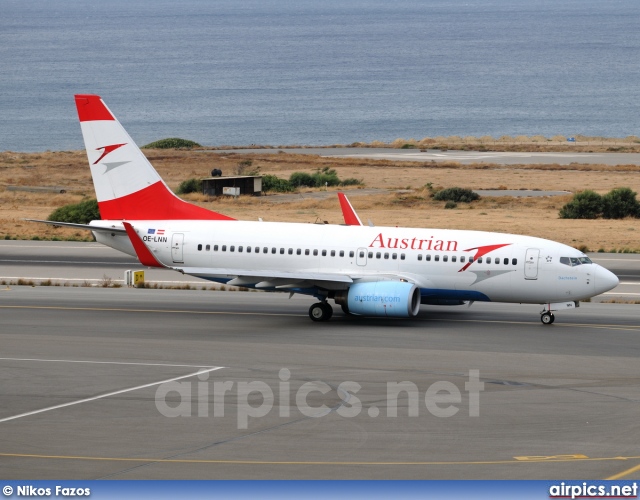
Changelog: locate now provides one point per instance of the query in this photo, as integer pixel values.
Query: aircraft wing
(269, 278)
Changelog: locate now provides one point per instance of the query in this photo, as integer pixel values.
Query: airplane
(367, 270)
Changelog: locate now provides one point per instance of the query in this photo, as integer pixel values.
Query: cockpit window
(575, 261)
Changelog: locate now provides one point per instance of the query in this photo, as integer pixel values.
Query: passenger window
(224, 248)
(505, 261)
(419, 256)
(514, 262)
(462, 258)
(386, 255)
(445, 258)
(394, 256)
(488, 260)
(199, 248)
(453, 258)
(371, 255)
(362, 255)
(273, 250)
(208, 247)
(470, 260)
(324, 253)
(240, 249)
(437, 258)
(351, 254)
(215, 248)
(480, 260)
(298, 251)
(232, 248)
(265, 250)
(333, 253)
(306, 251)
(401, 256)
(378, 255)
(248, 249)
(257, 250)
(282, 251)
(315, 252)
(290, 252)
(341, 253)
(428, 258)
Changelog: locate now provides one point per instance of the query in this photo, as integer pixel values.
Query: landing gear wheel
(320, 311)
(547, 318)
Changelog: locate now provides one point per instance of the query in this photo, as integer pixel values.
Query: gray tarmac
(91, 376)
(464, 157)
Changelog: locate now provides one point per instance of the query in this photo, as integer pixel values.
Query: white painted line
(598, 259)
(621, 293)
(108, 394)
(101, 362)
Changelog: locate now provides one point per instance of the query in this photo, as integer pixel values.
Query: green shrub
(273, 183)
(298, 179)
(456, 194)
(172, 143)
(620, 203)
(584, 205)
(450, 204)
(351, 182)
(190, 186)
(79, 213)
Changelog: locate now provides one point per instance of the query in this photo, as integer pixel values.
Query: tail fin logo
(107, 150)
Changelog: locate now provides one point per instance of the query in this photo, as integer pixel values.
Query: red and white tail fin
(127, 186)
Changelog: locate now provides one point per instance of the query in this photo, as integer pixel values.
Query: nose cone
(605, 280)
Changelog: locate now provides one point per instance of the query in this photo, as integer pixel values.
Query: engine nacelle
(396, 299)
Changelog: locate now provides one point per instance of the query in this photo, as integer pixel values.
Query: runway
(463, 157)
(90, 377)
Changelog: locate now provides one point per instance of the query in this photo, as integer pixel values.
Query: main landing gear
(321, 311)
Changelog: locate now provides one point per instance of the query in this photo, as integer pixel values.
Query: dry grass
(534, 216)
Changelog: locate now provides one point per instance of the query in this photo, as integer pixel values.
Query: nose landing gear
(546, 315)
(547, 318)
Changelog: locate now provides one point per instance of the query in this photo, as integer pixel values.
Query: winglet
(145, 256)
(350, 216)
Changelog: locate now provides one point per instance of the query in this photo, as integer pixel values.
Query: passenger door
(531, 264)
(177, 242)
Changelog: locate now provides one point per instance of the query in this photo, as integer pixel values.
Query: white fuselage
(505, 267)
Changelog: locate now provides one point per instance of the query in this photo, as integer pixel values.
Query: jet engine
(397, 299)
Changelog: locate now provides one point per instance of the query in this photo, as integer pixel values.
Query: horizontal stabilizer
(80, 226)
